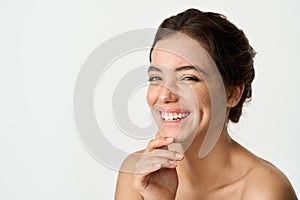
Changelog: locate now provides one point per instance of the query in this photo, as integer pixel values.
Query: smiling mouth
(170, 117)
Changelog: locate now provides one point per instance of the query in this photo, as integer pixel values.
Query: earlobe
(234, 95)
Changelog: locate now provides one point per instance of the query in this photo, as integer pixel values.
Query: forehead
(178, 50)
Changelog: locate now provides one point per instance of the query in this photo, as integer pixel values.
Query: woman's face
(178, 92)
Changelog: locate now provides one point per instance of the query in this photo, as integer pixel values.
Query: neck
(211, 169)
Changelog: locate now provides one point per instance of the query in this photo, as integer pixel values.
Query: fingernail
(173, 162)
(157, 166)
(169, 139)
(178, 156)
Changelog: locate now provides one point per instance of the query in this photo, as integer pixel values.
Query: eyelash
(154, 78)
(187, 78)
(191, 78)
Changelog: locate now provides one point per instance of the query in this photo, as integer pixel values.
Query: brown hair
(226, 44)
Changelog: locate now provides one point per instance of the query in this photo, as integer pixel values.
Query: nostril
(167, 96)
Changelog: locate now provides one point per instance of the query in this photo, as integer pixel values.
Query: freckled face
(178, 94)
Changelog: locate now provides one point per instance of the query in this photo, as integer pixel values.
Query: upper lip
(170, 109)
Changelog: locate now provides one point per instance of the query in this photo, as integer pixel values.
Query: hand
(156, 176)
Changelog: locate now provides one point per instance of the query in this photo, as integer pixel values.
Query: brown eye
(190, 78)
(154, 78)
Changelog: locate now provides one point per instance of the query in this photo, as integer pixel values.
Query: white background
(42, 47)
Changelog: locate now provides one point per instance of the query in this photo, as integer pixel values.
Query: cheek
(202, 97)
(151, 96)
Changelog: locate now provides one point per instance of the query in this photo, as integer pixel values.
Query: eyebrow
(152, 68)
(182, 68)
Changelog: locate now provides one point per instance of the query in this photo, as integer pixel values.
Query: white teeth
(174, 116)
(166, 117)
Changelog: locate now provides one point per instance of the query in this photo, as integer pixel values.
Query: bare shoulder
(265, 181)
(124, 187)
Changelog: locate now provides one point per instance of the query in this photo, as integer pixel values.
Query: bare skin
(241, 176)
(229, 171)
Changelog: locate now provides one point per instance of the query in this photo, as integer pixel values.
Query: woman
(200, 76)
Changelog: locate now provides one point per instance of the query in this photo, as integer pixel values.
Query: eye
(154, 78)
(190, 78)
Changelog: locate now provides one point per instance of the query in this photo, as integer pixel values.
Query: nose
(166, 95)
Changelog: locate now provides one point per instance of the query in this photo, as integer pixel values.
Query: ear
(234, 95)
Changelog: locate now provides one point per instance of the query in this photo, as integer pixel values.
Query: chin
(183, 131)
